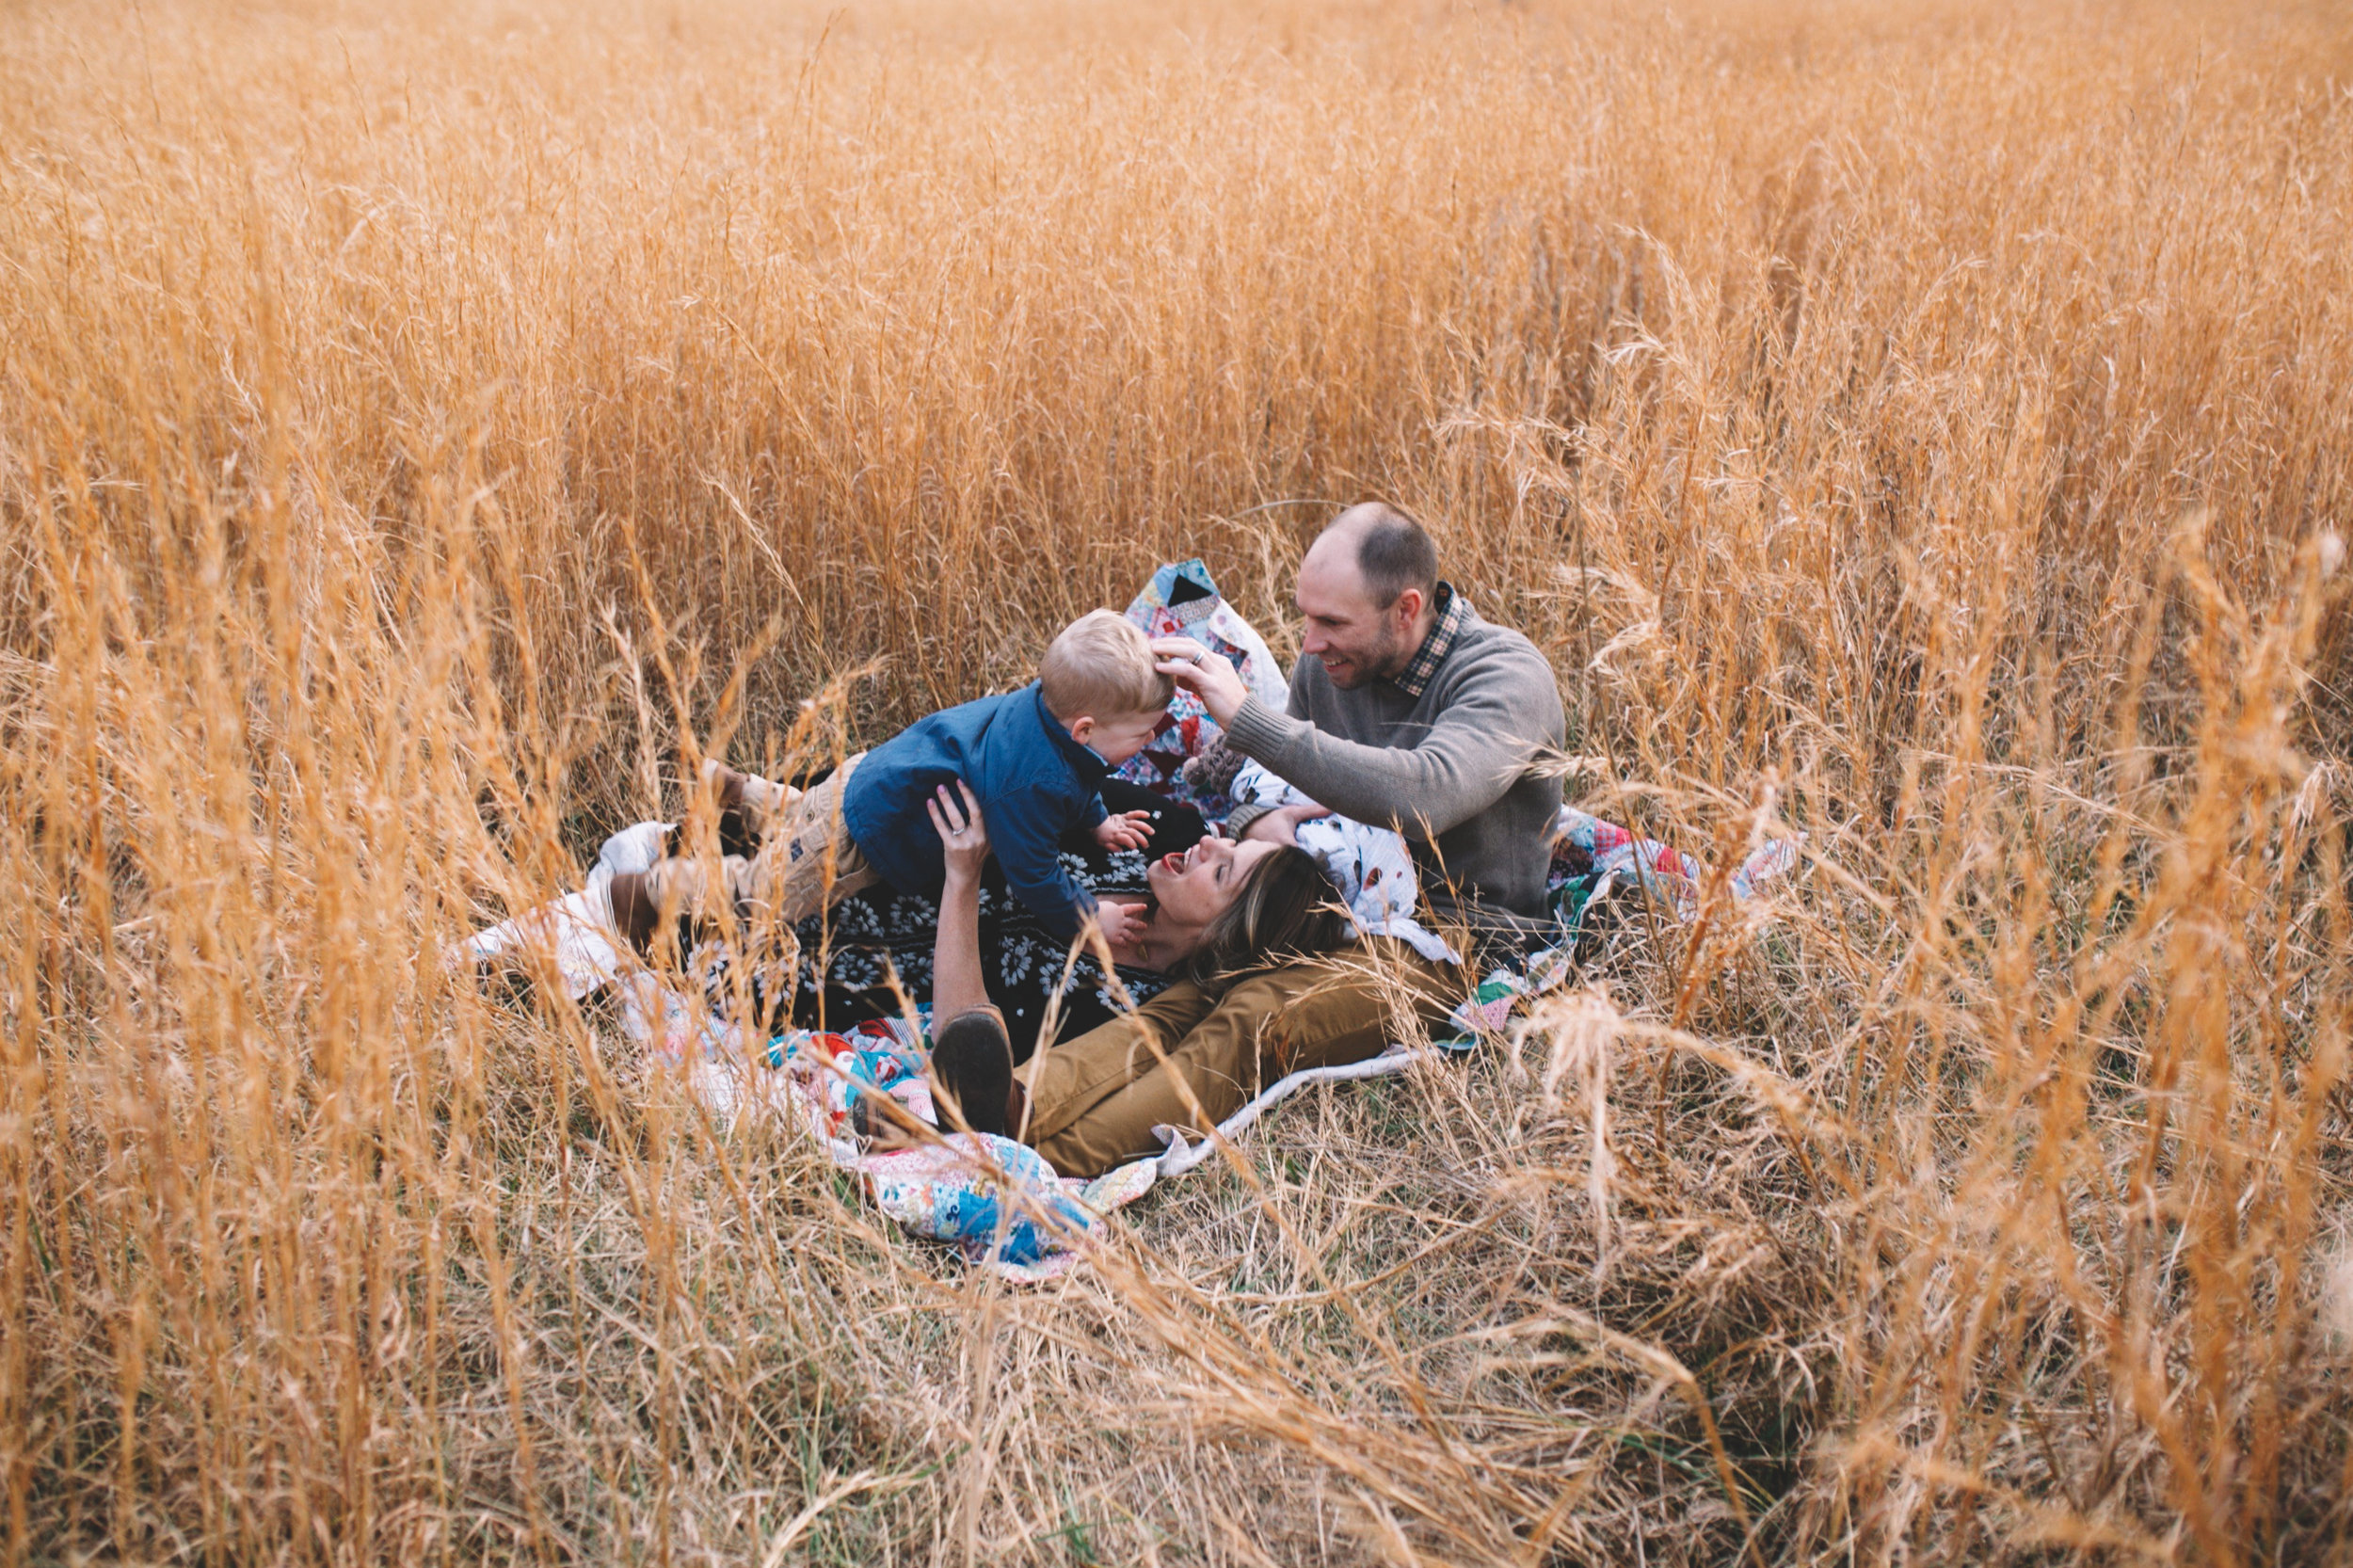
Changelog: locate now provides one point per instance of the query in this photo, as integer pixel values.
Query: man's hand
(1203, 674)
(1124, 830)
(1281, 825)
(1122, 923)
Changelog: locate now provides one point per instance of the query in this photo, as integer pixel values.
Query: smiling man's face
(1356, 640)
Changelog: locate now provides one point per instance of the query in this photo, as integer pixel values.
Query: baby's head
(1104, 685)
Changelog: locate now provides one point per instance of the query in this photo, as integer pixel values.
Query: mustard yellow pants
(1193, 1056)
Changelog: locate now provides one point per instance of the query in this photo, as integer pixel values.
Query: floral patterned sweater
(865, 937)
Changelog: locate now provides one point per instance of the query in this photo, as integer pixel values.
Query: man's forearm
(1422, 791)
(1238, 822)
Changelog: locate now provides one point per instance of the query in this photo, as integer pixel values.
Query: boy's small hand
(1128, 830)
(1122, 923)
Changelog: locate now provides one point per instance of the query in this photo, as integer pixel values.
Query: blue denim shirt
(1034, 784)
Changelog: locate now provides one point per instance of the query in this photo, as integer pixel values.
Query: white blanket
(1372, 866)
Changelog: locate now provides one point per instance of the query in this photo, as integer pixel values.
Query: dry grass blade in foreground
(424, 428)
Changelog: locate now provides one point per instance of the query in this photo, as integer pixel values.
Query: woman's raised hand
(961, 835)
(958, 983)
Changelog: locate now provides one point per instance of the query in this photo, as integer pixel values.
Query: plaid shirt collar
(1453, 610)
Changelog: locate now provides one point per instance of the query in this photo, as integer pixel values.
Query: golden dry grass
(1918, 425)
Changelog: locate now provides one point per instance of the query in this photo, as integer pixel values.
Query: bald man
(1406, 710)
(1410, 711)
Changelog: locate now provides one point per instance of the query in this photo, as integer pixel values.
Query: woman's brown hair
(1287, 907)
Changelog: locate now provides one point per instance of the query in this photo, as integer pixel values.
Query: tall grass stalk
(425, 428)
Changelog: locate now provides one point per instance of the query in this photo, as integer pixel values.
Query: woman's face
(1194, 887)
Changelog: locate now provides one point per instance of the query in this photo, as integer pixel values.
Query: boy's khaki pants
(807, 863)
(1094, 1100)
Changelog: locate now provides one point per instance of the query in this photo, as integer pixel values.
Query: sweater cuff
(1237, 820)
(1258, 731)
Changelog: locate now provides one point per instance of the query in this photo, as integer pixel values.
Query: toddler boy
(1035, 758)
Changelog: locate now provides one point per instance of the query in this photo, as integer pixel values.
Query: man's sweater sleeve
(1478, 748)
(1239, 821)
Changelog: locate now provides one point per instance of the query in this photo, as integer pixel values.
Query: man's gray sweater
(1461, 771)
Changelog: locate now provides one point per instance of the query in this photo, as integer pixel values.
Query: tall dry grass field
(424, 428)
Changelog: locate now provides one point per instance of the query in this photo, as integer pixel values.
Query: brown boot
(972, 1070)
(760, 801)
(635, 913)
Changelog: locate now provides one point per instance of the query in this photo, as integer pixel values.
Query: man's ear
(1409, 606)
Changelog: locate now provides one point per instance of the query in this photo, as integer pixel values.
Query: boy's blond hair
(1102, 668)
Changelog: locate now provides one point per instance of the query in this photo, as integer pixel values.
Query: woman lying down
(1258, 973)
(1272, 974)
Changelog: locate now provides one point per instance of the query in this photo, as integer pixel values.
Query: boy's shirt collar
(1091, 764)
